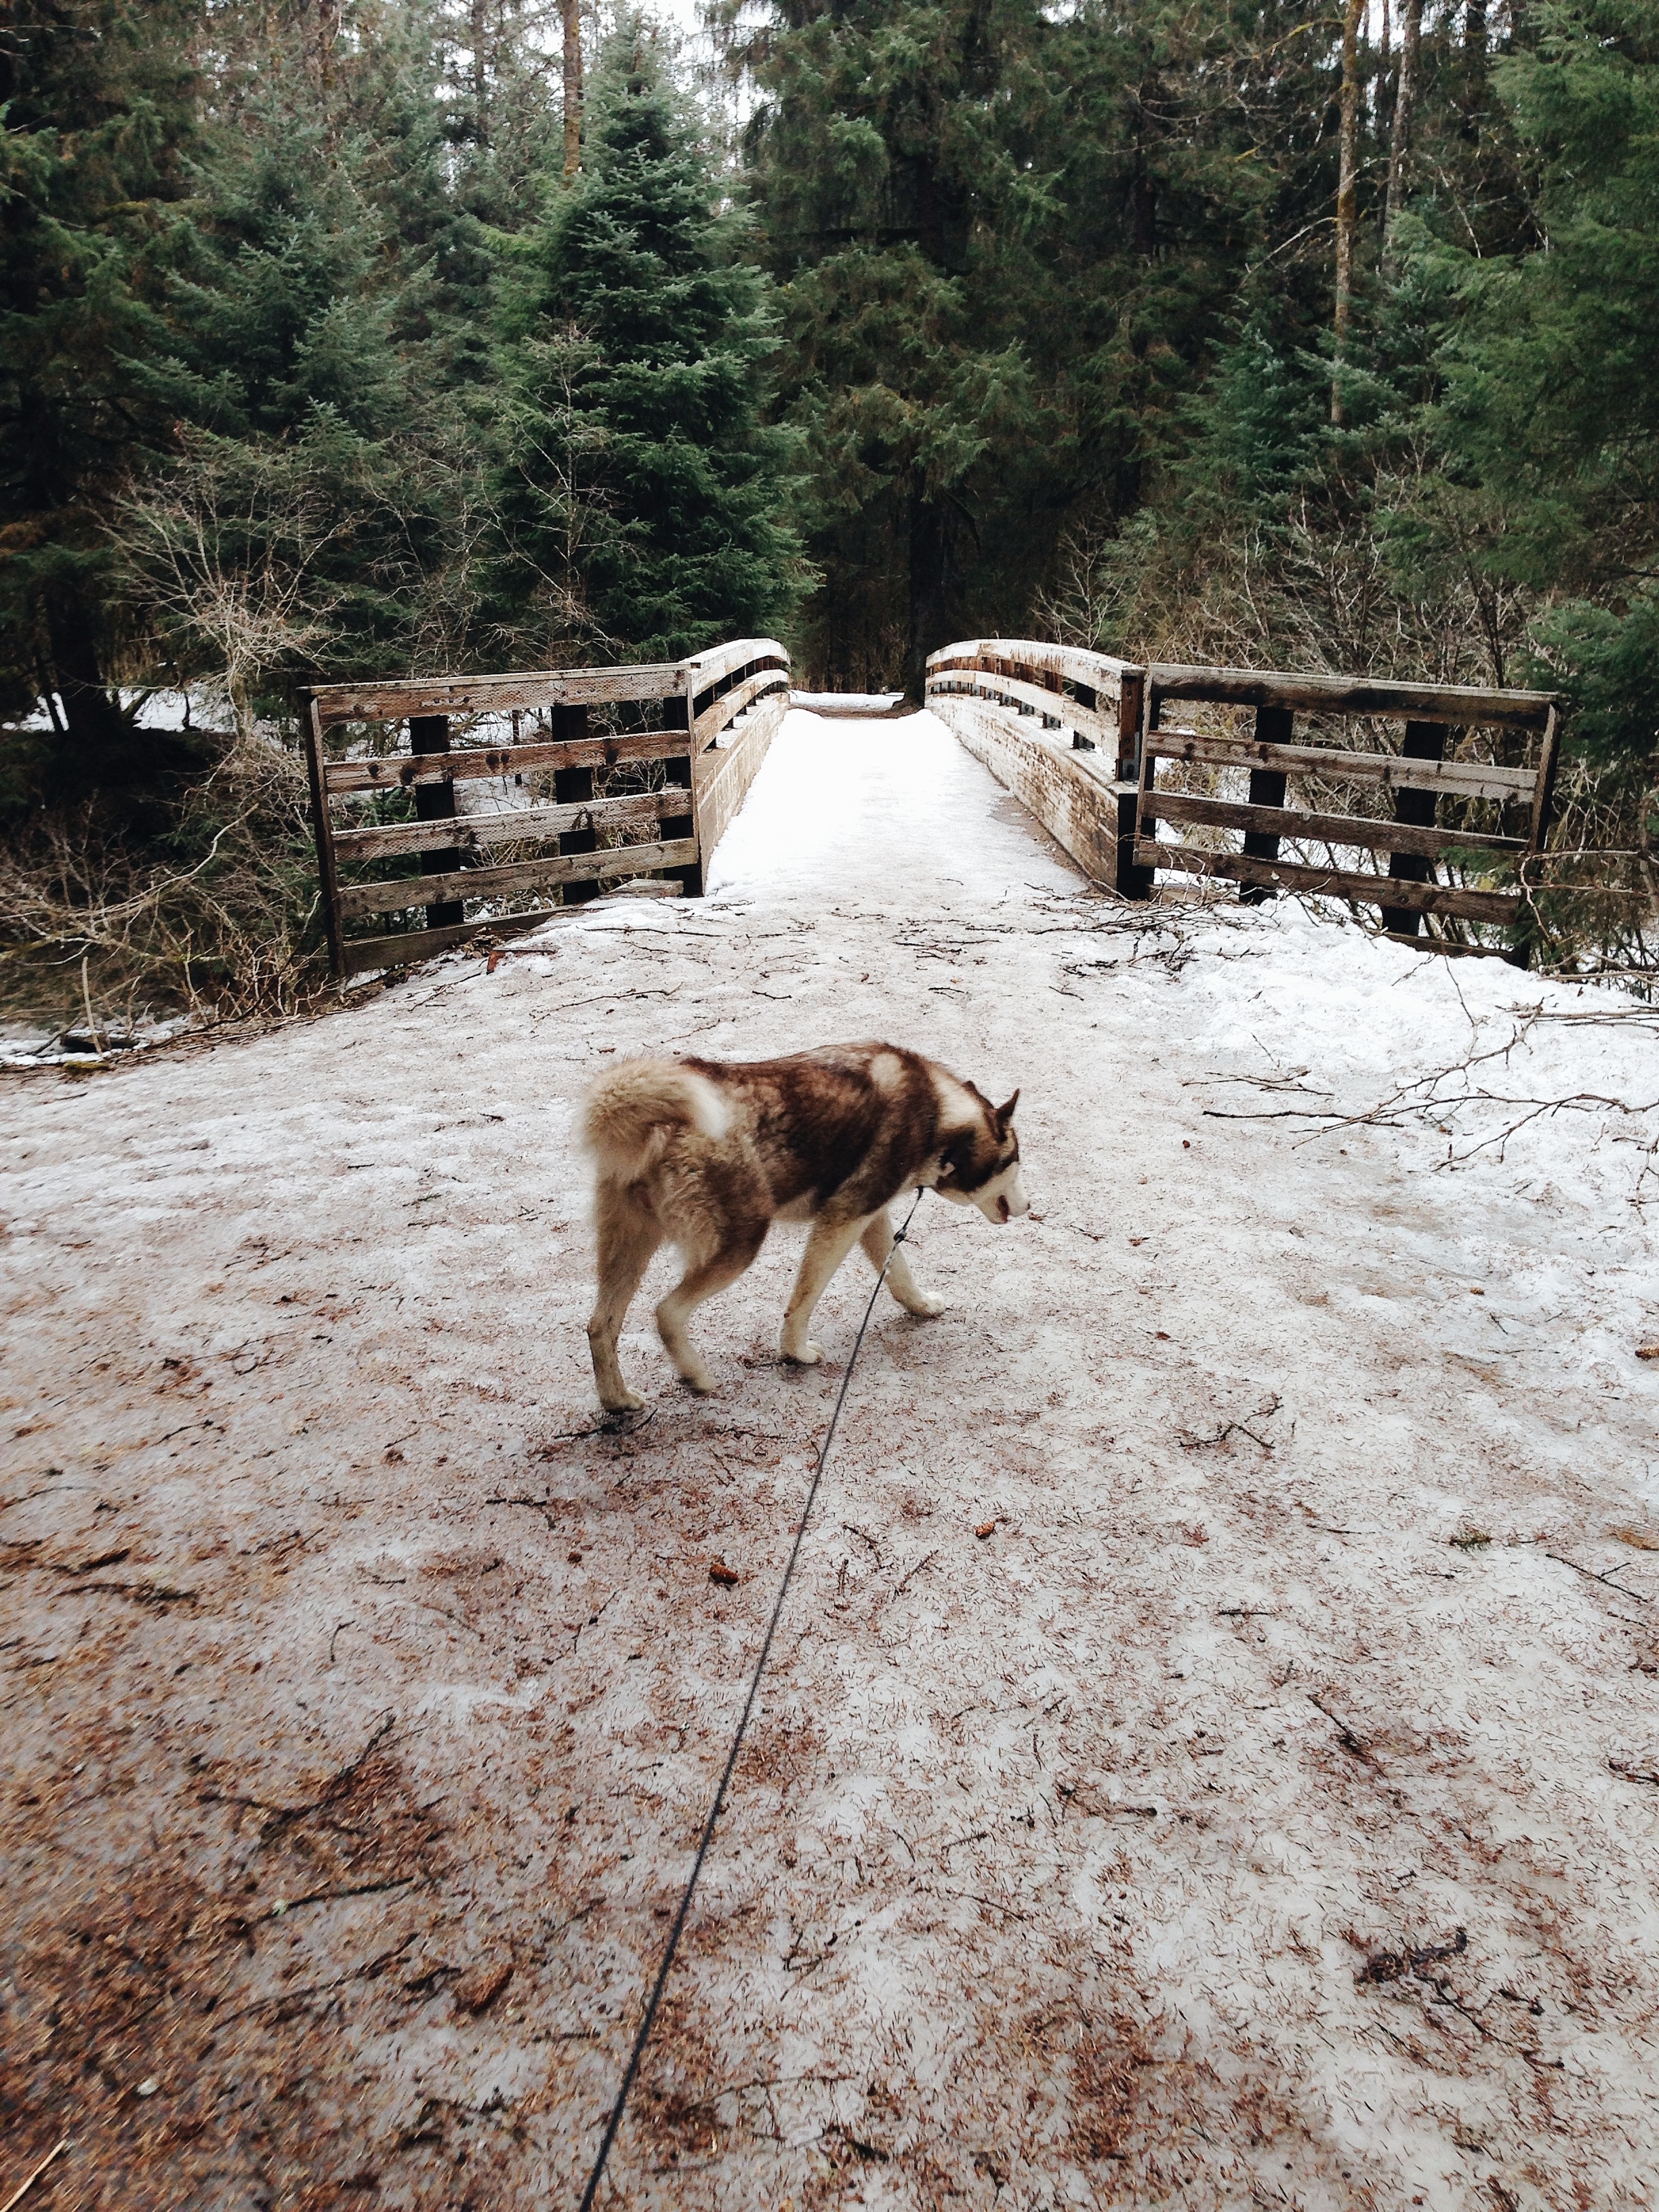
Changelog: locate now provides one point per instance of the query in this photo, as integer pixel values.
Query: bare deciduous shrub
(219, 922)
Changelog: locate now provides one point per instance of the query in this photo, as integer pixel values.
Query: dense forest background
(344, 336)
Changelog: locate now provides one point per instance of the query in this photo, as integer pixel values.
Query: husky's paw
(924, 1307)
(623, 1401)
(698, 1379)
(804, 1354)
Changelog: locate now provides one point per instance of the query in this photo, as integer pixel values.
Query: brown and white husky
(705, 1154)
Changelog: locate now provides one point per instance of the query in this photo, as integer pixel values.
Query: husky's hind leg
(826, 1247)
(701, 1280)
(877, 1243)
(628, 1235)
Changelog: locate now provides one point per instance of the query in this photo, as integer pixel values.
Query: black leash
(649, 2019)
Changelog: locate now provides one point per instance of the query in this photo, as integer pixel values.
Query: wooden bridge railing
(668, 790)
(1496, 811)
(1060, 728)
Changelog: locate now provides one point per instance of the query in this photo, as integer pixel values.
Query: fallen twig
(1344, 1735)
(30, 2178)
(925, 1559)
(1606, 1580)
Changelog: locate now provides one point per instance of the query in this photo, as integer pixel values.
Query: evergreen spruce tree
(98, 97)
(328, 310)
(899, 163)
(640, 492)
(1007, 243)
(1549, 428)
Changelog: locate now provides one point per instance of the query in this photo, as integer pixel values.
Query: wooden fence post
(1423, 741)
(435, 802)
(1129, 881)
(1527, 932)
(328, 875)
(1274, 725)
(679, 711)
(571, 786)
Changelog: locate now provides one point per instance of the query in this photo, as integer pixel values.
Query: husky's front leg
(826, 1247)
(877, 1243)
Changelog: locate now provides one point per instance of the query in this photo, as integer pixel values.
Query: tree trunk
(324, 30)
(573, 86)
(99, 738)
(927, 587)
(480, 71)
(1347, 192)
(1411, 32)
(1475, 66)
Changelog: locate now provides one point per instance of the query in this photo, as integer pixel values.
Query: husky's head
(981, 1165)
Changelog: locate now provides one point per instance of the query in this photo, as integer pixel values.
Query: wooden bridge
(1408, 798)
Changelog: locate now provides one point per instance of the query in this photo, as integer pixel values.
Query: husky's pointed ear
(1006, 1113)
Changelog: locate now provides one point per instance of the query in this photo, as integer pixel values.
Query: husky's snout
(1003, 1197)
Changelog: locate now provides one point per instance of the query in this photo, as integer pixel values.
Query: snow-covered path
(1265, 1812)
(895, 812)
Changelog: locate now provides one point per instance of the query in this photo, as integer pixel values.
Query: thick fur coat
(705, 1154)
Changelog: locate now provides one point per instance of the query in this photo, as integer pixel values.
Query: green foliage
(640, 492)
(318, 494)
(99, 111)
(1010, 243)
(1550, 419)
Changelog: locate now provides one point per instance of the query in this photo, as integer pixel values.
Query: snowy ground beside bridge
(1267, 1813)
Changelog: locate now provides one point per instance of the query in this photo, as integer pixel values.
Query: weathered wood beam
(400, 772)
(1471, 779)
(357, 899)
(1355, 829)
(1459, 704)
(471, 832)
(1499, 907)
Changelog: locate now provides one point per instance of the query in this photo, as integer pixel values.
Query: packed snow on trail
(1211, 1753)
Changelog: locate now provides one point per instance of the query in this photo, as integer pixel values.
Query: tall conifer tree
(98, 97)
(642, 493)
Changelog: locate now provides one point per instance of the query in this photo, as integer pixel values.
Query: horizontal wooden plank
(1070, 793)
(1097, 724)
(357, 899)
(398, 771)
(362, 953)
(717, 715)
(1501, 907)
(1099, 671)
(359, 954)
(395, 701)
(1096, 764)
(718, 661)
(723, 777)
(1460, 705)
(1327, 828)
(1470, 779)
(470, 833)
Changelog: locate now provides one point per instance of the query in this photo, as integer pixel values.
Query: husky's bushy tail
(631, 1115)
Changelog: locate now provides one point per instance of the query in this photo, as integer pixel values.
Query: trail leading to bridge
(1263, 1811)
(895, 811)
